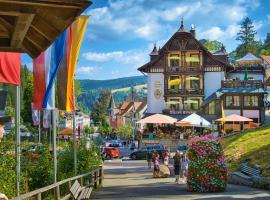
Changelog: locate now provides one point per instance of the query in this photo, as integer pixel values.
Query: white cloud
(268, 17)
(131, 57)
(85, 70)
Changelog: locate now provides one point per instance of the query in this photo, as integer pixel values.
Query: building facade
(183, 77)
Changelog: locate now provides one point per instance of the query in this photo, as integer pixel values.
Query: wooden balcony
(241, 83)
(188, 69)
(176, 92)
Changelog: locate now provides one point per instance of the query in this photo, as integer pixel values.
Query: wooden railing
(241, 83)
(184, 69)
(91, 179)
(175, 92)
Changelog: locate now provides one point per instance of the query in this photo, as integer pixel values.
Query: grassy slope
(254, 144)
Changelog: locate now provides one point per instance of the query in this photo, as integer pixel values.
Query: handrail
(98, 176)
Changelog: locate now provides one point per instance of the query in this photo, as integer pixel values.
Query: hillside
(112, 83)
(120, 88)
(253, 144)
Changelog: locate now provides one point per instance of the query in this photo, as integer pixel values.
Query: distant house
(128, 111)
(81, 120)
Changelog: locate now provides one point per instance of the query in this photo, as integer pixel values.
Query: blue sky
(121, 33)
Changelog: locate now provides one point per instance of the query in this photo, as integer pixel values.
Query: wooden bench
(79, 193)
(246, 174)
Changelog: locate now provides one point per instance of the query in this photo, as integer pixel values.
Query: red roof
(266, 59)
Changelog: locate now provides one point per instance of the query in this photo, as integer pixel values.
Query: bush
(207, 170)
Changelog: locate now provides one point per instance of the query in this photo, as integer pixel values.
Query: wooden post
(100, 175)
(91, 179)
(81, 181)
(57, 193)
(95, 180)
(39, 196)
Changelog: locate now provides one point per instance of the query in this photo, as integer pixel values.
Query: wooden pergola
(31, 26)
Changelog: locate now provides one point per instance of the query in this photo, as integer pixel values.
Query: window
(192, 104)
(174, 60)
(174, 106)
(212, 108)
(232, 101)
(193, 83)
(251, 101)
(174, 85)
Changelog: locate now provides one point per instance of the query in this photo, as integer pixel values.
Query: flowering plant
(207, 171)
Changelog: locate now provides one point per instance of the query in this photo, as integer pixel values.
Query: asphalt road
(133, 180)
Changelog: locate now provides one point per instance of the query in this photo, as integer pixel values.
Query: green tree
(124, 131)
(246, 36)
(212, 45)
(100, 108)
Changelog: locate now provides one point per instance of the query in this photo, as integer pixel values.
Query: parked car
(140, 154)
(110, 152)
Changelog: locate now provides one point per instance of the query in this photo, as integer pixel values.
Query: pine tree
(246, 35)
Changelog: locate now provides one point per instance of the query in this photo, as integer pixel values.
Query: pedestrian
(176, 165)
(166, 158)
(156, 166)
(149, 157)
(184, 167)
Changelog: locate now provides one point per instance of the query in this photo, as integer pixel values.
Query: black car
(141, 153)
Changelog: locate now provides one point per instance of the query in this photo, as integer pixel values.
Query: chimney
(192, 30)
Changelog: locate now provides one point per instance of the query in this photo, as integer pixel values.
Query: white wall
(155, 81)
(251, 113)
(212, 82)
(242, 75)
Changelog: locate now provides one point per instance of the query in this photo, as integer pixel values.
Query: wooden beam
(22, 25)
(44, 28)
(6, 24)
(4, 34)
(60, 3)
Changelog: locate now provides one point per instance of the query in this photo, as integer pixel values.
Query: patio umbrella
(157, 119)
(182, 123)
(196, 121)
(235, 118)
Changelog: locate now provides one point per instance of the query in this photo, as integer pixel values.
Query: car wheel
(108, 157)
(133, 157)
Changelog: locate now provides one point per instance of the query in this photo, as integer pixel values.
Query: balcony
(179, 69)
(178, 112)
(175, 92)
(241, 83)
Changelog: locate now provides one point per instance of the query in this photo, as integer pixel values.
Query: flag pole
(54, 147)
(74, 143)
(18, 140)
(39, 128)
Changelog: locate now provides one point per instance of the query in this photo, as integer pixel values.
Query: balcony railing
(184, 69)
(178, 112)
(241, 83)
(184, 91)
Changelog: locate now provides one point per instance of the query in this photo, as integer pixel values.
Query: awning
(191, 101)
(235, 118)
(157, 119)
(172, 102)
(174, 82)
(192, 78)
(192, 59)
(182, 123)
(32, 26)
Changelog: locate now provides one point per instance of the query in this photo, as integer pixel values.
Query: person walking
(149, 158)
(184, 167)
(156, 166)
(176, 165)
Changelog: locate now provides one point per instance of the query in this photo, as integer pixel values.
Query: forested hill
(90, 90)
(112, 83)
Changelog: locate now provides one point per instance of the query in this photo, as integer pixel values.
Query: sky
(121, 33)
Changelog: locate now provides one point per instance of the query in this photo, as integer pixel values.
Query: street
(130, 179)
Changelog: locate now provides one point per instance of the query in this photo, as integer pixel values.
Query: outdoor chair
(79, 193)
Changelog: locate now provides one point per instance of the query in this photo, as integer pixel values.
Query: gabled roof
(181, 34)
(31, 26)
(127, 107)
(248, 57)
(266, 59)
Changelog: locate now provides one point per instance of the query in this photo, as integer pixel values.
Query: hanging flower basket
(207, 171)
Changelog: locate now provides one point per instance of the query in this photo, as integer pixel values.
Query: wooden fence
(91, 179)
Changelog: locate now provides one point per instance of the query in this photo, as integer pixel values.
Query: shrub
(207, 170)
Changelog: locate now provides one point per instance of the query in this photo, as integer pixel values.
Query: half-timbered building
(184, 77)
